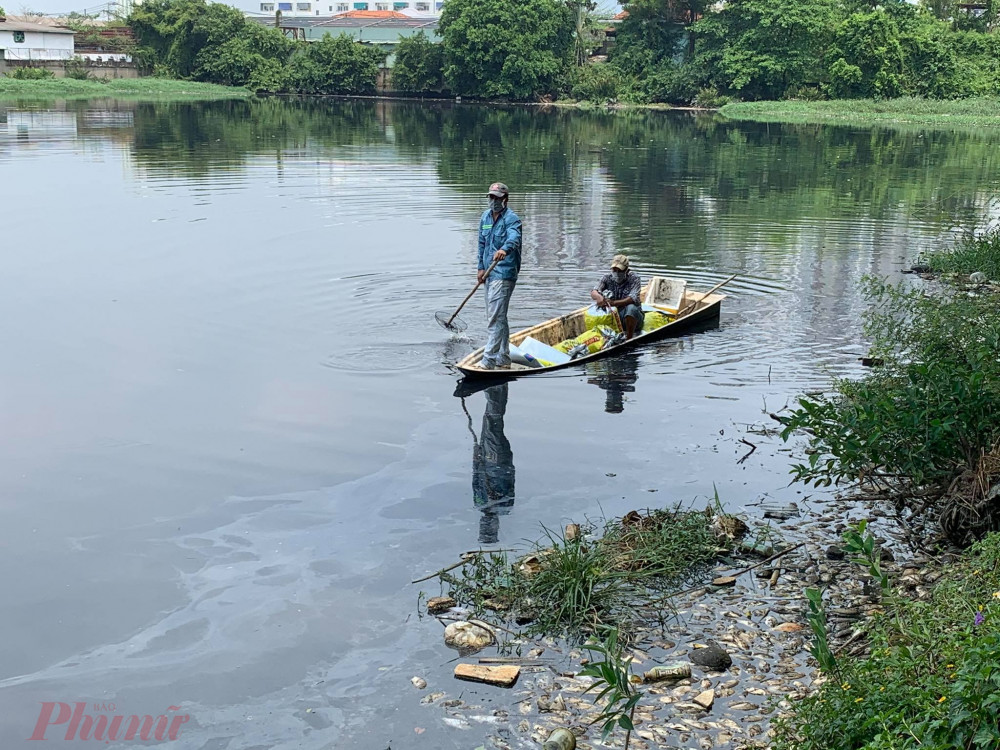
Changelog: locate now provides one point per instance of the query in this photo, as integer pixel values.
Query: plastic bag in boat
(654, 320)
(594, 317)
(593, 340)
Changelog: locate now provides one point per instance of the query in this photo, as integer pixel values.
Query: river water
(230, 436)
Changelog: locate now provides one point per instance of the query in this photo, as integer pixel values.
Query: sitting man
(620, 290)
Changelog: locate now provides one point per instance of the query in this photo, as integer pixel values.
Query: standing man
(620, 289)
(499, 239)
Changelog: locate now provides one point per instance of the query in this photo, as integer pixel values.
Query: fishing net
(450, 321)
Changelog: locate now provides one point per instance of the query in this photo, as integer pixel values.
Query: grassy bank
(962, 113)
(931, 679)
(158, 89)
(975, 253)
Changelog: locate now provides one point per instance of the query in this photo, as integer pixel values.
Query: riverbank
(154, 89)
(959, 113)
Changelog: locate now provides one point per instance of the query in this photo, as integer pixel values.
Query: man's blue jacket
(502, 234)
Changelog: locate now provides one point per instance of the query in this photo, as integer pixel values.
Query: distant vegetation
(215, 43)
(967, 113)
(669, 51)
(142, 88)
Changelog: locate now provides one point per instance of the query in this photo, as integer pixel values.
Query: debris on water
(667, 672)
(705, 699)
(502, 676)
(724, 581)
(419, 682)
(467, 638)
(438, 604)
(560, 739)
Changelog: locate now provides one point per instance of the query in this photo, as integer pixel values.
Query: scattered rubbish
(712, 657)
(729, 527)
(724, 581)
(705, 699)
(978, 277)
(571, 532)
(677, 671)
(419, 682)
(560, 739)
(466, 637)
(501, 676)
(780, 512)
(438, 604)
(789, 627)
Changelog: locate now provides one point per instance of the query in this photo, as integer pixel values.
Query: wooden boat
(697, 311)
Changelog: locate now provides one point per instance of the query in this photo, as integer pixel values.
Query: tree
(209, 42)
(511, 50)
(761, 48)
(335, 65)
(419, 65)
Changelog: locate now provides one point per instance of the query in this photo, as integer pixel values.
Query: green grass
(932, 679)
(959, 113)
(970, 254)
(124, 88)
(580, 586)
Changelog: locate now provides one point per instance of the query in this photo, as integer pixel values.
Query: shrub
(31, 74)
(932, 679)
(419, 65)
(600, 82)
(335, 65)
(928, 412)
(971, 254)
(77, 69)
(710, 98)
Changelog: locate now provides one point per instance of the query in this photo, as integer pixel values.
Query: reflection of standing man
(493, 467)
(500, 240)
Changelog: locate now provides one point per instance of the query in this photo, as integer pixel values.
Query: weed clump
(579, 584)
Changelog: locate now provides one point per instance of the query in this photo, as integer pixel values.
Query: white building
(20, 40)
(313, 8)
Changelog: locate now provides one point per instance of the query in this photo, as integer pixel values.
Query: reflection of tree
(616, 376)
(666, 187)
(492, 467)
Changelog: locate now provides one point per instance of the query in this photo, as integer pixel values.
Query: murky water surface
(229, 432)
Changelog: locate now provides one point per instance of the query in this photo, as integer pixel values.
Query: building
(22, 40)
(325, 8)
(381, 28)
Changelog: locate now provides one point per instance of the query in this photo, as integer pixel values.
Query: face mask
(618, 276)
(496, 204)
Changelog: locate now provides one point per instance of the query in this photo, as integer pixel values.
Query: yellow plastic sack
(593, 339)
(654, 320)
(594, 317)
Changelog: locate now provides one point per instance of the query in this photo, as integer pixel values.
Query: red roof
(371, 14)
(621, 16)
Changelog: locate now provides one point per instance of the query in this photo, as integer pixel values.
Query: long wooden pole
(478, 284)
(718, 286)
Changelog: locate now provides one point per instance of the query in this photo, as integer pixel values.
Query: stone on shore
(713, 657)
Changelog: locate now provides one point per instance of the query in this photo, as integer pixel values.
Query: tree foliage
(761, 48)
(510, 50)
(419, 65)
(335, 65)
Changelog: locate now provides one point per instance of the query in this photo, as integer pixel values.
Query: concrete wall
(58, 67)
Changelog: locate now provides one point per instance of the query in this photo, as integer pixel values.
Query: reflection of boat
(697, 310)
(616, 376)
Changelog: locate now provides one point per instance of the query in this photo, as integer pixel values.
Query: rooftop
(7, 24)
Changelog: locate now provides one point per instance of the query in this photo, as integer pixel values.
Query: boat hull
(705, 315)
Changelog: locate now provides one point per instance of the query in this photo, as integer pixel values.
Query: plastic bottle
(560, 739)
(668, 672)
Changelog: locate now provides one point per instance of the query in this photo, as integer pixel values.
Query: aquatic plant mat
(587, 578)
